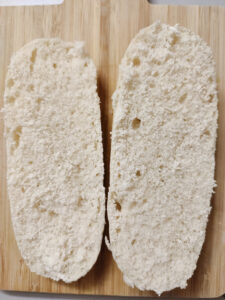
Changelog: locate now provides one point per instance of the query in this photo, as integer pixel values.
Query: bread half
(162, 157)
(55, 158)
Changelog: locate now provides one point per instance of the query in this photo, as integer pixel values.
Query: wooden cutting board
(107, 26)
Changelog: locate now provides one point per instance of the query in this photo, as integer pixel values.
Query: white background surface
(37, 296)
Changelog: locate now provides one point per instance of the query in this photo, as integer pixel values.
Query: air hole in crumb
(155, 74)
(80, 201)
(38, 184)
(22, 189)
(206, 132)
(118, 206)
(133, 204)
(86, 64)
(33, 56)
(136, 123)
(161, 167)
(37, 204)
(92, 123)
(156, 61)
(66, 258)
(118, 163)
(136, 61)
(30, 88)
(152, 85)
(72, 112)
(68, 49)
(99, 205)
(10, 83)
(130, 85)
(133, 242)
(166, 92)
(52, 213)
(39, 100)
(117, 217)
(182, 98)
(119, 175)
(54, 66)
(16, 135)
(113, 195)
(210, 98)
(210, 79)
(138, 173)
(30, 162)
(118, 230)
(32, 59)
(97, 174)
(145, 201)
(168, 56)
(11, 100)
(175, 39)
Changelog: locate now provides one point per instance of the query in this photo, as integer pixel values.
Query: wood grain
(107, 26)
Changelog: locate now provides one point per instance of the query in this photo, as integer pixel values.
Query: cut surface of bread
(55, 158)
(162, 157)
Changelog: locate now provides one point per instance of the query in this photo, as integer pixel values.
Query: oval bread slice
(55, 158)
(162, 158)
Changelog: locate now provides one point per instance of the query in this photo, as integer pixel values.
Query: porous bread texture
(55, 158)
(162, 157)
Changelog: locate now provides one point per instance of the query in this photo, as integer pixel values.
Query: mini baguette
(55, 158)
(162, 157)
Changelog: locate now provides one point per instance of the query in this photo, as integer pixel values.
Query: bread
(55, 158)
(162, 157)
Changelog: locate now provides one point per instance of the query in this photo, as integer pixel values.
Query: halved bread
(162, 157)
(55, 158)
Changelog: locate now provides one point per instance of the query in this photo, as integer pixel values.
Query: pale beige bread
(162, 157)
(55, 158)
